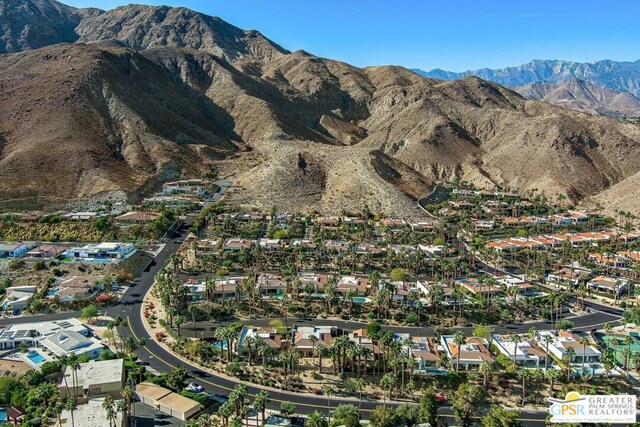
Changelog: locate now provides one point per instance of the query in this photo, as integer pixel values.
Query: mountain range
(583, 86)
(107, 104)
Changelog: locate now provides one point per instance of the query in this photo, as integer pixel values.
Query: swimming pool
(35, 357)
(52, 292)
(3, 414)
(360, 300)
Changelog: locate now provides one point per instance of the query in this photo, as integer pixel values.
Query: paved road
(162, 360)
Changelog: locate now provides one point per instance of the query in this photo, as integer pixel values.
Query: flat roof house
(526, 352)
(96, 378)
(561, 341)
(90, 414)
(101, 251)
(14, 250)
(166, 401)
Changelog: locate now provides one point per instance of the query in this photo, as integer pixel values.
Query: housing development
(475, 312)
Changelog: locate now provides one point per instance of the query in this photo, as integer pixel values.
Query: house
(96, 378)
(271, 245)
(359, 284)
(47, 251)
(501, 246)
(90, 414)
(425, 287)
(196, 290)
(31, 334)
(313, 282)
(425, 353)
(302, 343)
(74, 289)
(610, 260)
(187, 186)
(65, 343)
(393, 223)
(166, 401)
(611, 285)
(483, 224)
(304, 244)
(327, 221)
(14, 250)
(271, 285)
(561, 341)
(84, 216)
(101, 252)
(18, 297)
(526, 352)
(235, 244)
(422, 226)
(136, 218)
(434, 250)
(208, 246)
(473, 352)
(478, 289)
(268, 335)
(567, 276)
(228, 288)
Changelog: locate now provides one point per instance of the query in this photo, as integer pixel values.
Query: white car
(194, 388)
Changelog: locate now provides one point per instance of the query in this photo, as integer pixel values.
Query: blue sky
(453, 35)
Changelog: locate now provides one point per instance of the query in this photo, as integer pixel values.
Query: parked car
(194, 388)
(440, 398)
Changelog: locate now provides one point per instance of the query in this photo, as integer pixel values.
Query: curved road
(162, 360)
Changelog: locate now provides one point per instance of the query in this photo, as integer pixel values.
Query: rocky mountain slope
(177, 91)
(617, 76)
(584, 96)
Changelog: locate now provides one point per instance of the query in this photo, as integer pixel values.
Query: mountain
(583, 96)
(30, 24)
(146, 93)
(617, 76)
(80, 120)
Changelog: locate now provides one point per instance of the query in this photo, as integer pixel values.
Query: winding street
(162, 360)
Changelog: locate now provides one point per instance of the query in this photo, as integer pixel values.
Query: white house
(66, 337)
(101, 252)
(526, 352)
(561, 341)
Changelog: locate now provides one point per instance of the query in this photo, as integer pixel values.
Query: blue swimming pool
(3, 414)
(52, 292)
(35, 357)
(360, 300)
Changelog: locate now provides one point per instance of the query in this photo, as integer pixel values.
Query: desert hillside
(147, 93)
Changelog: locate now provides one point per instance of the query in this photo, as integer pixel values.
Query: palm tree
(127, 394)
(548, 339)
(523, 374)
(486, 369)
(570, 353)
(71, 406)
(313, 340)
(329, 391)
(629, 342)
(260, 402)
(585, 342)
(109, 408)
(316, 419)
(458, 340)
(386, 382)
(359, 385)
(74, 366)
(552, 376)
